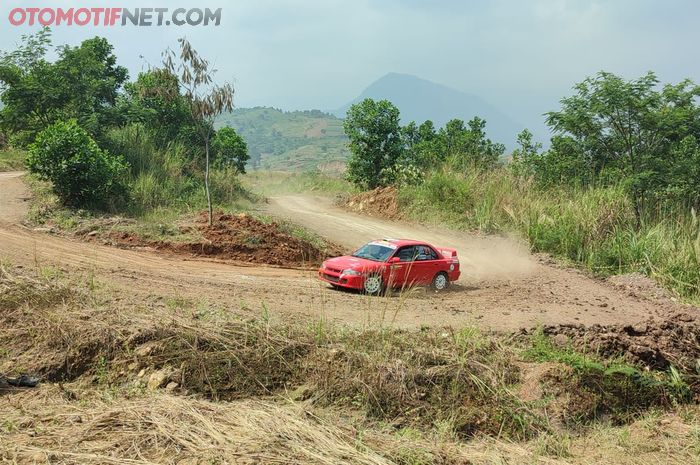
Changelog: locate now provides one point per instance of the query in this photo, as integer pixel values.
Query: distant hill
(305, 140)
(420, 100)
(290, 141)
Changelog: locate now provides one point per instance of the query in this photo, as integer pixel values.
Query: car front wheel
(373, 284)
(441, 281)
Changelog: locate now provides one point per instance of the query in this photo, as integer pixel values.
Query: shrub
(230, 150)
(82, 174)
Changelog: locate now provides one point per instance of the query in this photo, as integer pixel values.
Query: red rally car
(391, 263)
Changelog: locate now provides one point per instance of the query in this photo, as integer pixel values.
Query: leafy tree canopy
(376, 141)
(82, 84)
(82, 174)
(612, 130)
(230, 150)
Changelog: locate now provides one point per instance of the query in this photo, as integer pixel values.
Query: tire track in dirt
(504, 288)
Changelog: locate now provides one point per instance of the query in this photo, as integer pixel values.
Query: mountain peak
(419, 99)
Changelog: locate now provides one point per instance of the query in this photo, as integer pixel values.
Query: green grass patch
(12, 160)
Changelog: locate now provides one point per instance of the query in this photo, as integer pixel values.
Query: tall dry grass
(594, 227)
(170, 177)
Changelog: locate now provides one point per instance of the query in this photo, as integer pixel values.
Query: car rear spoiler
(448, 253)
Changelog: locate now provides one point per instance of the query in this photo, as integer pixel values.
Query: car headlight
(351, 272)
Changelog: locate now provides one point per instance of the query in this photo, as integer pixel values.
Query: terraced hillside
(290, 141)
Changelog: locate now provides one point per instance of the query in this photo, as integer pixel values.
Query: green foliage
(630, 132)
(81, 173)
(384, 153)
(229, 149)
(165, 177)
(526, 156)
(596, 227)
(72, 114)
(29, 52)
(154, 100)
(612, 384)
(82, 84)
(376, 141)
(467, 147)
(402, 175)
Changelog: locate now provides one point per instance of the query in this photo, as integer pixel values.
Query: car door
(402, 272)
(427, 264)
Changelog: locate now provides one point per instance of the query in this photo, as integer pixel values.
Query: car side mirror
(394, 260)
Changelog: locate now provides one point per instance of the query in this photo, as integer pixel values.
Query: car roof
(403, 242)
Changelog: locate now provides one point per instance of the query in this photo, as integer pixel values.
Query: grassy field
(147, 377)
(12, 160)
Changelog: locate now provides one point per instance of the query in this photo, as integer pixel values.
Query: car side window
(433, 254)
(406, 254)
(425, 253)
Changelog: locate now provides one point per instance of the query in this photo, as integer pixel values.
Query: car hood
(349, 262)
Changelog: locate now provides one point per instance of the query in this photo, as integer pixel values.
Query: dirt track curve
(503, 287)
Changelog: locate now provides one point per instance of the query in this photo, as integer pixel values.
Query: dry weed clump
(161, 428)
(89, 333)
(17, 290)
(461, 378)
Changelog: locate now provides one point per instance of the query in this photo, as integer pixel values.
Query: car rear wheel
(373, 284)
(441, 281)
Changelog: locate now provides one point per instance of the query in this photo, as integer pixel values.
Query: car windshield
(374, 251)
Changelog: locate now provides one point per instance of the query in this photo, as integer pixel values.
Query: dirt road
(503, 287)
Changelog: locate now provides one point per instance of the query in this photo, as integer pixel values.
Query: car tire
(440, 281)
(373, 285)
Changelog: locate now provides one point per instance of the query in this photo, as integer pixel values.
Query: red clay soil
(381, 202)
(657, 344)
(240, 238)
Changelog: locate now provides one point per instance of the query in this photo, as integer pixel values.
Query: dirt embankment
(237, 237)
(656, 344)
(381, 202)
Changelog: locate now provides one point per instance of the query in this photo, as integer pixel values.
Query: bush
(229, 149)
(82, 174)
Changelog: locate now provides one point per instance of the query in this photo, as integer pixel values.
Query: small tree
(376, 141)
(527, 156)
(206, 100)
(154, 99)
(230, 149)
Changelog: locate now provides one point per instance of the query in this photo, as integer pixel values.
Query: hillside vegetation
(290, 141)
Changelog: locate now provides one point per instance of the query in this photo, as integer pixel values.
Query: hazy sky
(521, 56)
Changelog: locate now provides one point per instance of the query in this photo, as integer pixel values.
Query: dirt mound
(238, 237)
(639, 285)
(382, 202)
(655, 344)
